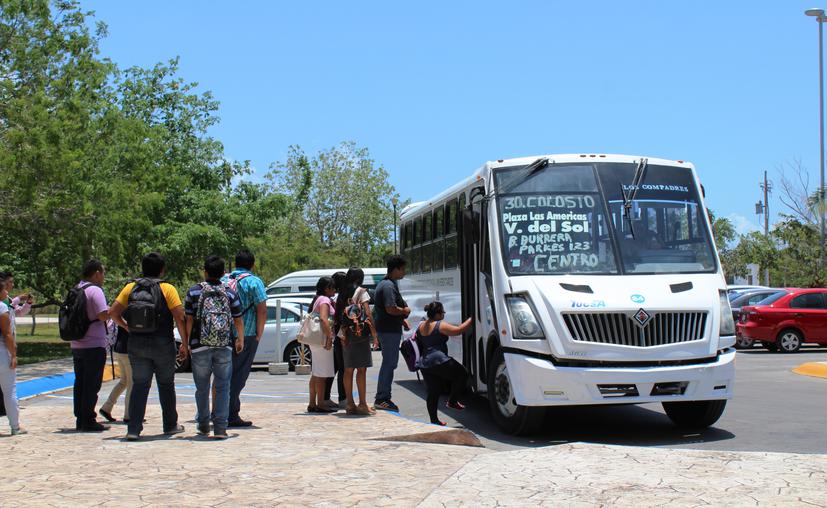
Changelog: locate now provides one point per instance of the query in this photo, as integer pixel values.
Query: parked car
(744, 298)
(738, 290)
(785, 321)
(304, 281)
(278, 343)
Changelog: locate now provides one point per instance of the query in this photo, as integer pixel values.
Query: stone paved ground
(295, 459)
(599, 475)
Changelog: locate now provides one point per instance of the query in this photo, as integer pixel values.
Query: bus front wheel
(696, 414)
(511, 417)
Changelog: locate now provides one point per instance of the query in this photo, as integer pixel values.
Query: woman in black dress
(435, 364)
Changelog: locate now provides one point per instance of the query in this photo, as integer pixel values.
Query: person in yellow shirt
(148, 309)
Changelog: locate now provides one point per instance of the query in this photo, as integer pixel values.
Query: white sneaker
(18, 431)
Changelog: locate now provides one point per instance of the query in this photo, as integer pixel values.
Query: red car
(787, 320)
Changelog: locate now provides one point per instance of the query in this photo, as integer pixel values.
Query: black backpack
(143, 312)
(73, 321)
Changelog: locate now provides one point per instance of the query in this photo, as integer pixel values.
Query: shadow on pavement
(631, 425)
(147, 438)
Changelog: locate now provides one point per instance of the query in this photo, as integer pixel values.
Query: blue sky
(434, 89)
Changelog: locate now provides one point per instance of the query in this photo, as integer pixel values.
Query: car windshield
(750, 298)
(589, 218)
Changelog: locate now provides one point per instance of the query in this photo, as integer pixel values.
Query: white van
(304, 281)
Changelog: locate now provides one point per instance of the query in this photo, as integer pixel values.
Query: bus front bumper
(538, 382)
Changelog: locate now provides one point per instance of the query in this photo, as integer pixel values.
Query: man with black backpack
(212, 310)
(83, 319)
(148, 309)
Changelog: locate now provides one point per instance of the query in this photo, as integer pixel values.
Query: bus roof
(482, 172)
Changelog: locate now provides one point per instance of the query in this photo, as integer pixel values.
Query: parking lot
(773, 410)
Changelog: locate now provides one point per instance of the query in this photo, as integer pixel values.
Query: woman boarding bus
(591, 279)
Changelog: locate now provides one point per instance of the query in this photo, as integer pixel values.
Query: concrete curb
(813, 369)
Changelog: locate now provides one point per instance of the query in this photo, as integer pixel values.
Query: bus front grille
(623, 329)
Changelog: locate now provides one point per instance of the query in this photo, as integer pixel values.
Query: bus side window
(415, 251)
(451, 244)
(403, 247)
(438, 251)
(427, 249)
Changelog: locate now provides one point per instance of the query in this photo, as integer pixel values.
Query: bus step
(609, 391)
(675, 388)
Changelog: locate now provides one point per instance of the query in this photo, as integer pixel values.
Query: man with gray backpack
(212, 310)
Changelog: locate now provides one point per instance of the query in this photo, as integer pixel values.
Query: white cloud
(742, 224)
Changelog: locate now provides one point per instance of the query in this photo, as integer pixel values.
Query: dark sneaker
(94, 427)
(240, 423)
(132, 437)
(106, 414)
(386, 405)
(204, 429)
(175, 430)
(220, 433)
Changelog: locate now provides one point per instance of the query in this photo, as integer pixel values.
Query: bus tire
(696, 414)
(511, 417)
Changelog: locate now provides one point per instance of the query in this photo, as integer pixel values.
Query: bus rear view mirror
(470, 226)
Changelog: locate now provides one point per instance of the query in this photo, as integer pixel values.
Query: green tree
(798, 259)
(108, 163)
(724, 234)
(56, 125)
(348, 204)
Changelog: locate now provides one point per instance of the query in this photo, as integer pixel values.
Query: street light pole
(819, 15)
(395, 201)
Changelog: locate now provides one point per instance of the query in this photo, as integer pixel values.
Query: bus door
(475, 301)
(486, 316)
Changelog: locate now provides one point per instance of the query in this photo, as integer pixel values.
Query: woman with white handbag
(317, 333)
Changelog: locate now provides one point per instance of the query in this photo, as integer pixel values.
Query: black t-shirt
(388, 295)
(121, 344)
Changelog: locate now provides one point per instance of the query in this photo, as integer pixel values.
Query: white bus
(591, 279)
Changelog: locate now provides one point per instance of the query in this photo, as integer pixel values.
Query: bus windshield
(590, 219)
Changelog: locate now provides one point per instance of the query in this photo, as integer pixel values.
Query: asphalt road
(774, 410)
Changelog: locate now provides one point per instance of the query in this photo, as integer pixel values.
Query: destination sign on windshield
(552, 234)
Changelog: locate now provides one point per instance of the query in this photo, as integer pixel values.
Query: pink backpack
(410, 351)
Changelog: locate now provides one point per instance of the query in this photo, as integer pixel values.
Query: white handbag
(311, 332)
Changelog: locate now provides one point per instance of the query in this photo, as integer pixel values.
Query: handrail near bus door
(467, 274)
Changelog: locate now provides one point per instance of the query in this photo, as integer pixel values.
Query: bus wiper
(527, 172)
(629, 197)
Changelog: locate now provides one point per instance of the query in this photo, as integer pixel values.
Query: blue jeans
(390, 359)
(242, 363)
(216, 362)
(148, 356)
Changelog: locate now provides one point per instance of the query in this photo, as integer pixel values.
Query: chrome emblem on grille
(642, 317)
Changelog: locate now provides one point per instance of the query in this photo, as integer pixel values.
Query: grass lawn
(44, 345)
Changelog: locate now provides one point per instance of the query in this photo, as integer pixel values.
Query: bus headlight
(726, 334)
(523, 319)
